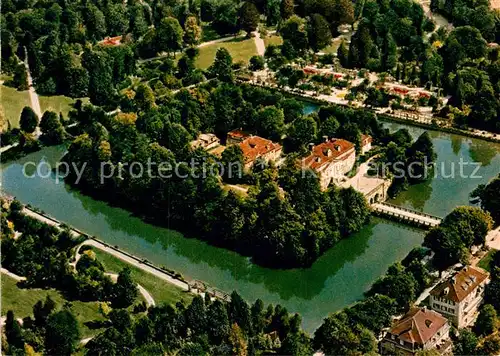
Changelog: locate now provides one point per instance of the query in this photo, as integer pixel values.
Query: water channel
(335, 280)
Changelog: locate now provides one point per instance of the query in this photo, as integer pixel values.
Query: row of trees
(452, 240)
(204, 327)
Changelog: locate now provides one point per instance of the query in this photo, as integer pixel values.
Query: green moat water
(334, 281)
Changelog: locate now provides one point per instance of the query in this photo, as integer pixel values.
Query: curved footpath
(147, 296)
(130, 259)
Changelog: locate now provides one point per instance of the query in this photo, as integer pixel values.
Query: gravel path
(259, 43)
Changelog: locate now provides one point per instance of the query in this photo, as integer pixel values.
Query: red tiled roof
(334, 149)
(238, 134)
(254, 147)
(308, 70)
(400, 90)
(111, 41)
(461, 285)
(366, 139)
(418, 326)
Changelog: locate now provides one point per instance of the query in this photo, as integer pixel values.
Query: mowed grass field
(12, 103)
(161, 291)
(241, 49)
(57, 103)
(273, 40)
(21, 302)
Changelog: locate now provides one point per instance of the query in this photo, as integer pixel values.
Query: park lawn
(484, 263)
(161, 291)
(21, 302)
(241, 49)
(12, 103)
(273, 40)
(57, 103)
(333, 47)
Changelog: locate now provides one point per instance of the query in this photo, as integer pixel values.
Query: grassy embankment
(161, 291)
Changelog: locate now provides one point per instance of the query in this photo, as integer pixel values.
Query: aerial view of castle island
(250, 177)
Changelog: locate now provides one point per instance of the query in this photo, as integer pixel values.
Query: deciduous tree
(222, 66)
(192, 31)
(62, 333)
(248, 18)
(29, 120)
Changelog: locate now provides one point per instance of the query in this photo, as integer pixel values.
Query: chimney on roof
(325, 138)
(311, 146)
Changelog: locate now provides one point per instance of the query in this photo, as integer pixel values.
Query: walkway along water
(190, 286)
(334, 281)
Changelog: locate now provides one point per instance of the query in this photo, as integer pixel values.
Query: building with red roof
(255, 148)
(111, 41)
(236, 136)
(460, 297)
(419, 329)
(366, 143)
(331, 160)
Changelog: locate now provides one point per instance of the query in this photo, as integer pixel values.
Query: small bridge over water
(407, 215)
